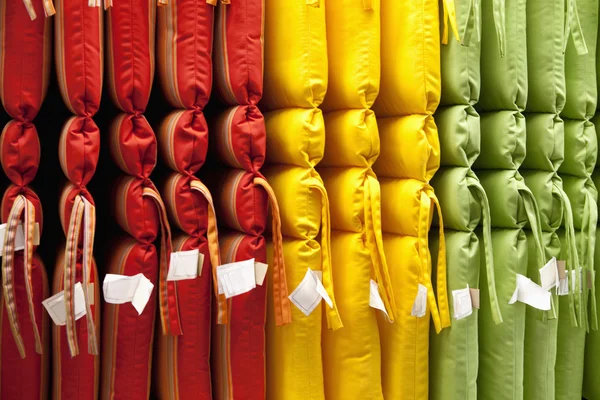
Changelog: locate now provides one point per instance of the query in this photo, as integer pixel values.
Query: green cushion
(453, 354)
(502, 140)
(459, 130)
(501, 346)
(503, 79)
(545, 141)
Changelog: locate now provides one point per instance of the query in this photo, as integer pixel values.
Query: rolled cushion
(459, 135)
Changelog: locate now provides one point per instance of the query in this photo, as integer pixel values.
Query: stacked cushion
(591, 386)
(78, 36)
(454, 352)
(242, 197)
(296, 64)
(185, 70)
(352, 355)
(24, 329)
(138, 208)
(410, 155)
(512, 205)
(544, 148)
(580, 153)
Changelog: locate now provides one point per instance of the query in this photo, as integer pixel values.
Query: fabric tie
(282, 305)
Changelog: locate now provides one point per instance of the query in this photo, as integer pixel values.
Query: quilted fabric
(242, 198)
(182, 367)
(504, 89)
(352, 355)
(545, 153)
(296, 64)
(78, 37)
(137, 206)
(24, 73)
(410, 155)
(581, 149)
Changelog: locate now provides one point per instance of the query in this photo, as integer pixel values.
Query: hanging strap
(107, 4)
(30, 9)
(499, 10)
(479, 193)
(313, 3)
(572, 254)
(367, 5)
(473, 23)
(94, 3)
(441, 315)
(588, 243)
(169, 309)
(82, 210)
(282, 305)
(49, 8)
(573, 28)
(449, 15)
(372, 205)
(533, 216)
(334, 321)
(21, 204)
(212, 235)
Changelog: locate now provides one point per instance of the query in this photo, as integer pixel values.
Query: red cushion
(127, 336)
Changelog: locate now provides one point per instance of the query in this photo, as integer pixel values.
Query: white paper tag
(119, 289)
(185, 265)
(563, 286)
(236, 278)
(260, 271)
(19, 237)
(55, 305)
(309, 292)
(463, 305)
(529, 292)
(549, 275)
(419, 307)
(375, 300)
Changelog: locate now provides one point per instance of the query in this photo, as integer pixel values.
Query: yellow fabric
(295, 54)
(410, 58)
(410, 155)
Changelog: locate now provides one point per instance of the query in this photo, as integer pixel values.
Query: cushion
(24, 76)
(503, 56)
(295, 54)
(184, 57)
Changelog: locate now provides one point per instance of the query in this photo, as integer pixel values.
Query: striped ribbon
(169, 309)
(21, 204)
(212, 235)
(282, 305)
(82, 210)
(49, 9)
(441, 315)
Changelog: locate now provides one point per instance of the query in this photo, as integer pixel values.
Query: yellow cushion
(295, 54)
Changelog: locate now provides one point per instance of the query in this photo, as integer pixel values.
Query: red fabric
(123, 324)
(244, 334)
(183, 141)
(74, 377)
(130, 49)
(185, 36)
(137, 215)
(24, 62)
(239, 137)
(185, 39)
(238, 51)
(25, 378)
(79, 150)
(79, 50)
(24, 73)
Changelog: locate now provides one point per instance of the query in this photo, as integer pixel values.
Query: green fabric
(540, 332)
(458, 129)
(501, 346)
(453, 354)
(502, 140)
(545, 141)
(503, 79)
(545, 59)
(460, 60)
(591, 381)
